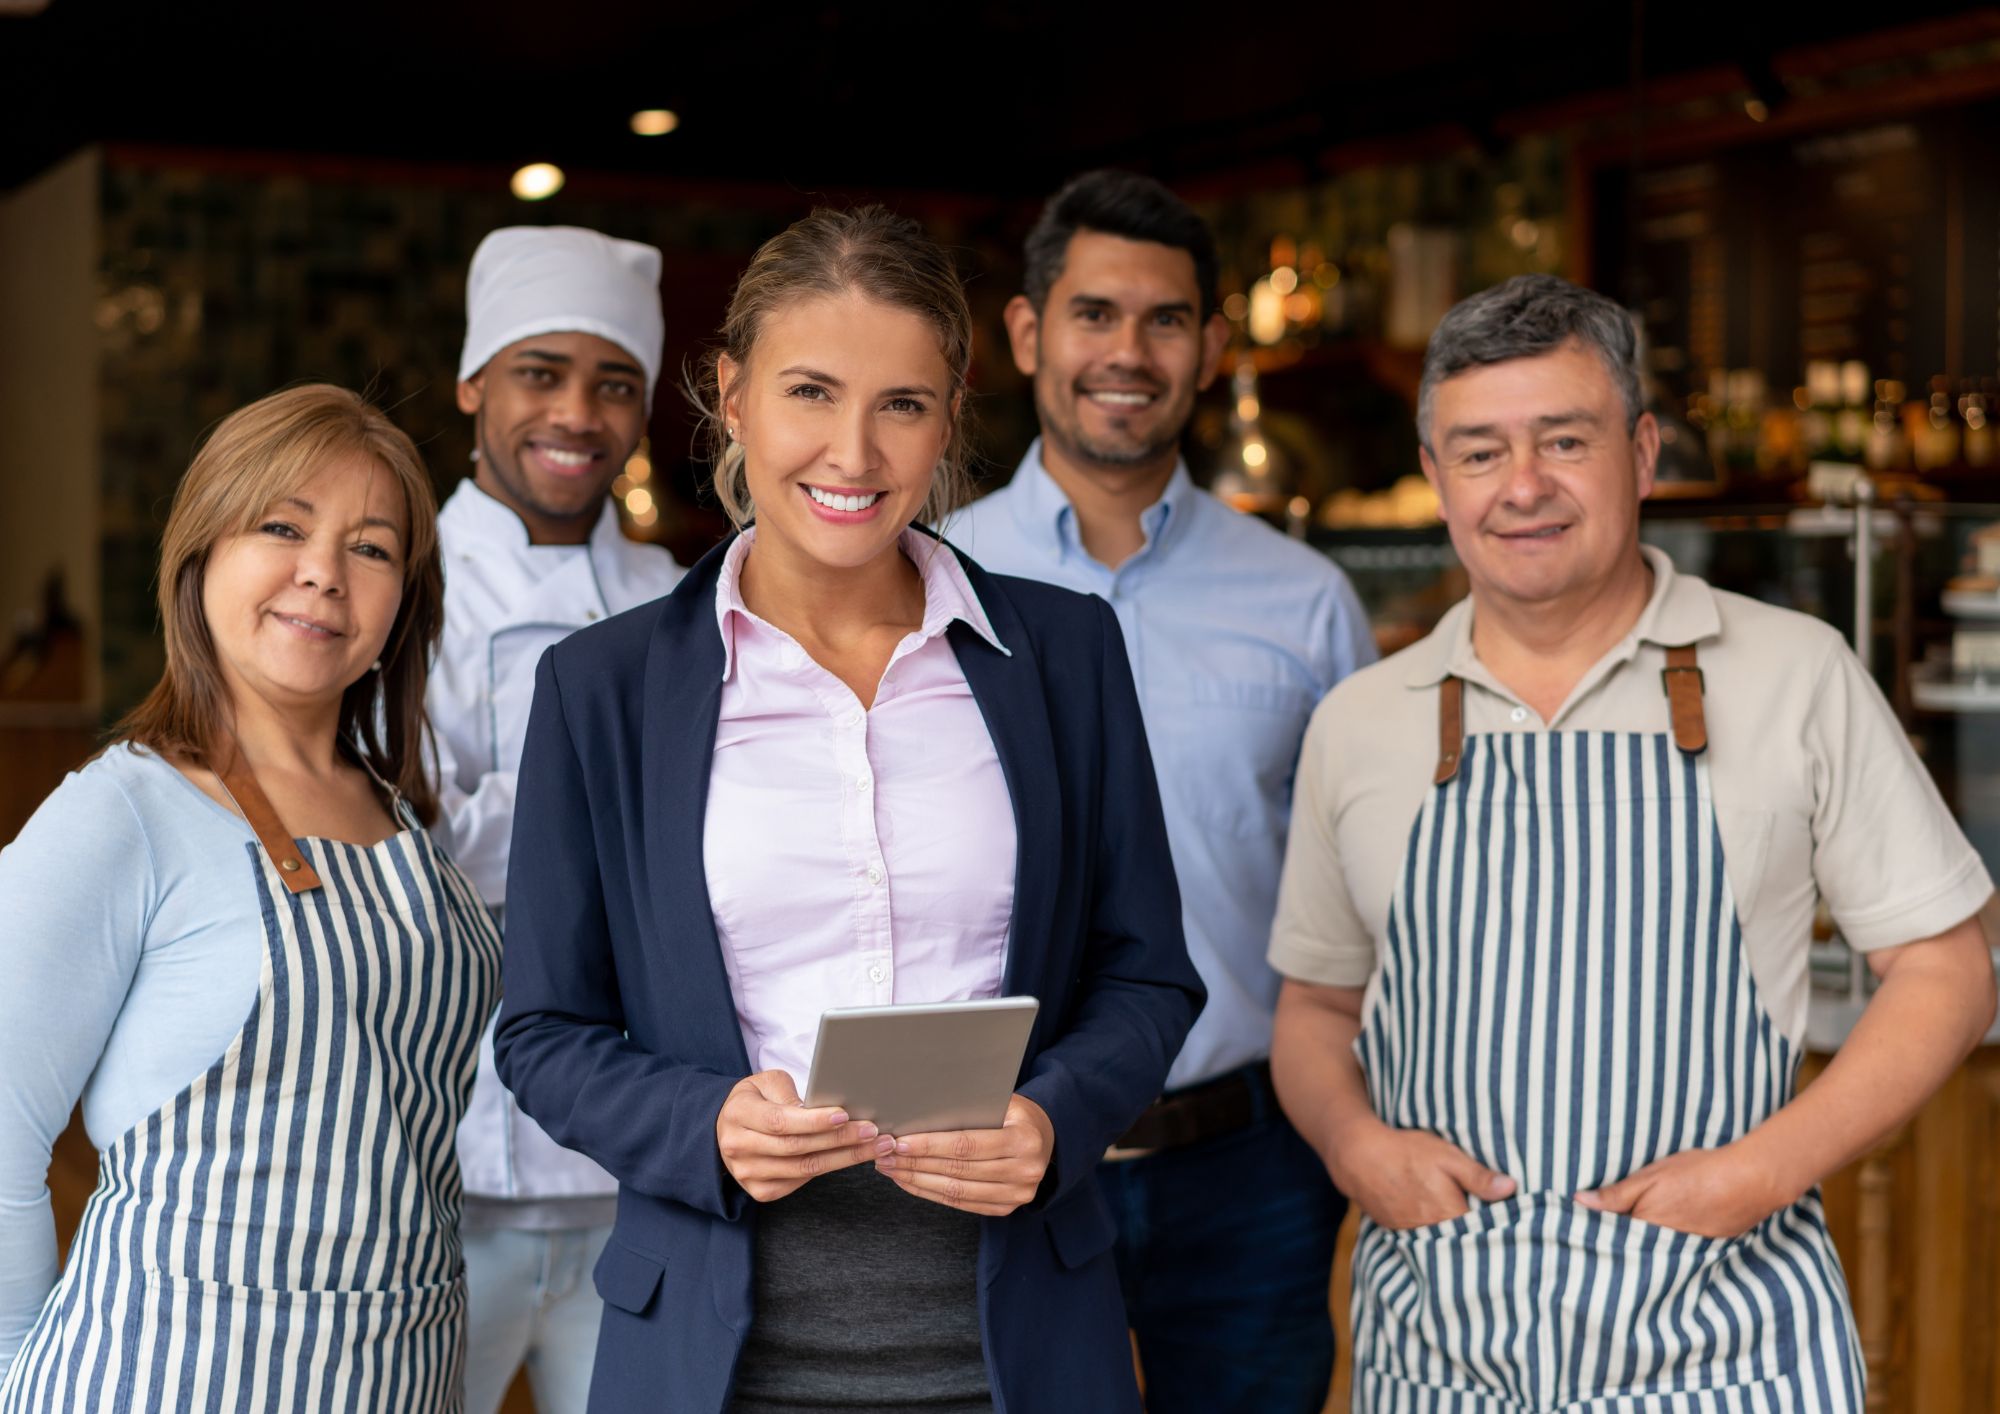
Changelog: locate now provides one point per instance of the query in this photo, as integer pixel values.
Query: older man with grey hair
(1544, 919)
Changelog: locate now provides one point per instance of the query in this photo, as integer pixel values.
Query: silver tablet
(922, 1067)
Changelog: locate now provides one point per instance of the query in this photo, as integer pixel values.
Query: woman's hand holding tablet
(918, 1066)
(986, 1171)
(772, 1145)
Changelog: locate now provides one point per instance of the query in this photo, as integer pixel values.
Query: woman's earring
(377, 666)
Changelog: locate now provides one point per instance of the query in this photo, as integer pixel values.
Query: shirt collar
(495, 523)
(948, 594)
(1681, 611)
(1047, 518)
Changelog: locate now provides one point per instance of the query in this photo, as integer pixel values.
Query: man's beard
(1121, 453)
(513, 479)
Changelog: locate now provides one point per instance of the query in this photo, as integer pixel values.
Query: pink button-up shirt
(854, 858)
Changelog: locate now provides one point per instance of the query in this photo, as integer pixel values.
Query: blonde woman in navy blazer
(620, 1032)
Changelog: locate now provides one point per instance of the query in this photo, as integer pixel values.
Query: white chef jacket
(505, 602)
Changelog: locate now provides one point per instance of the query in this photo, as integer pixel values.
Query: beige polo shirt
(1817, 791)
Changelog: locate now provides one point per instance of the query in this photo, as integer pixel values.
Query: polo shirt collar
(1681, 611)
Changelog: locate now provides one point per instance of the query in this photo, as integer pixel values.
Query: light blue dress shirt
(1235, 633)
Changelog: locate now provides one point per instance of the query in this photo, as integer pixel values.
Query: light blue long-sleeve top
(1235, 633)
(130, 945)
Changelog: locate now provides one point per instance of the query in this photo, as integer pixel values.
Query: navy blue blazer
(618, 1033)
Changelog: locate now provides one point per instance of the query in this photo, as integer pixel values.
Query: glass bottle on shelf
(1887, 451)
(1937, 445)
(1713, 416)
(1745, 416)
(1822, 401)
(1850, 424)
(1975, 409)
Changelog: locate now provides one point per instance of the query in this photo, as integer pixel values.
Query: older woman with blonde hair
(231, 938)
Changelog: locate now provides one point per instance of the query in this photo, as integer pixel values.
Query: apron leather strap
(1681, 679)
(1451, 729)
(1684, 684)
(242, 786)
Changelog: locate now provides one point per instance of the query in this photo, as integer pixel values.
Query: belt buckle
(1116, 1155)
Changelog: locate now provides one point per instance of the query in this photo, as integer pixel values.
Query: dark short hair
(1524, 317)
(1116, 203)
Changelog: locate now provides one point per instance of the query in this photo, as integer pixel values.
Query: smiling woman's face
(301, 604)
(843, 410)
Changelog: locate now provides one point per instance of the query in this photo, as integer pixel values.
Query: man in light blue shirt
(1226, 1218)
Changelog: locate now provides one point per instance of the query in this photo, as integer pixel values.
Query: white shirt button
(1519, 714)
(874, 875)
(861, 781)
(877, 973)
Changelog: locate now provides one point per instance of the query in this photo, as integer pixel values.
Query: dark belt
(1206, 1111)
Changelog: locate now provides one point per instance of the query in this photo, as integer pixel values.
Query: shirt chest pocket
(1745, 834)
(1226, 750)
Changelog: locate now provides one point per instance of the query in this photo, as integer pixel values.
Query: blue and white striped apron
(283, 1235)
(1566, 996)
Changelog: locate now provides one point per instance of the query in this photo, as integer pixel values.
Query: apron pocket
(1539, 1300)
(374, 1350)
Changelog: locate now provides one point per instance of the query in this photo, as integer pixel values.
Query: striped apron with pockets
(1565, 995)
(283, 1234)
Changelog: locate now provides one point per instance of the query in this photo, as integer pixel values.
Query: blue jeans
(529, 1301)
(1225, 1252)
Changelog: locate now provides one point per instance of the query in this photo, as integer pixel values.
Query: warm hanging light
(537, 181)
(655, 122)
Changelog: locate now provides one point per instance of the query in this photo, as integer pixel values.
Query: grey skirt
(866, 1298)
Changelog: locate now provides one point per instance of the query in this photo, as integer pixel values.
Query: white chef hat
(529, 280)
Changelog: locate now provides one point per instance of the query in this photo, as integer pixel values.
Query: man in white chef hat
(562, 353)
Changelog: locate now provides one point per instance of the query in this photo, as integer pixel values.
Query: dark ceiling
(1000, 99)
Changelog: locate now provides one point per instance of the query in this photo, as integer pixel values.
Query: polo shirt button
(1519, 714)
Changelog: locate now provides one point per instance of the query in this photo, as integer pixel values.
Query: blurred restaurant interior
(200, 203)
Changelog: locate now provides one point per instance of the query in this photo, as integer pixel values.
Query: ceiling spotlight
(655, 122)
(537, 181)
